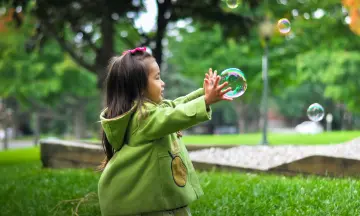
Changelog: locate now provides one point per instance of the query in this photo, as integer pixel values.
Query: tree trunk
(6, 135)
(253, 123)
(348, 120)
(107, 47)
(162, 21)
(36, 128)
(240, 108)
(15, 124)
(79, 121)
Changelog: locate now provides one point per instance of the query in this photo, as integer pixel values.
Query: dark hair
(125, 84)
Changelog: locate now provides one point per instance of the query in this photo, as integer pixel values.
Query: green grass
(27, 189)
(250, 194)
(274, 139)
(19, 155)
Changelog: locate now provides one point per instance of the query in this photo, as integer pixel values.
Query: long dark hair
(125, 84)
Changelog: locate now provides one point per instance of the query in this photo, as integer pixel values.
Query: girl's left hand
(213, 91)
(211, 76)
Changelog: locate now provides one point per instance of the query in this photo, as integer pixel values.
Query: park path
(15, 144)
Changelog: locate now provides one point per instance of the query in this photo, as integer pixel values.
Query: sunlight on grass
(19, 155)
(274, 139)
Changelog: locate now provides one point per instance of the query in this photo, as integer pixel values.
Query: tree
(48, 82)
(337, 70)
(203, 47)
(87, 30)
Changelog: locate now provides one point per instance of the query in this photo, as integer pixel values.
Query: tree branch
(66, 47)
(87, 38)
(212, 13)
(128, 42)
(44, 110)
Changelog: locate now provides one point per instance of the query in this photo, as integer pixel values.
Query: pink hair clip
(137, 49)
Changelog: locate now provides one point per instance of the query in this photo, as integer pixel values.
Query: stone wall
(321, 165)
(57, 153)
(68, 154)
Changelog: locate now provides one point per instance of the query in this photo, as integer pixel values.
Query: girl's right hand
(213, 91)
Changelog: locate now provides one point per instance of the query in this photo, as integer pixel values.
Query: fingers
(222, 85)
(225, 91)
(207, 76)
(210, 72)
(215, 73)
(226, 98)
(217, 81)
(206, 81)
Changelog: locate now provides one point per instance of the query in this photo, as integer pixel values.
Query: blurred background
(53, 57)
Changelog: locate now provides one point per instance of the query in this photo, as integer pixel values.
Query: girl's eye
(157, 78)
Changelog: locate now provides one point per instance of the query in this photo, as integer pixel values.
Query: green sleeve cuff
(201, 111)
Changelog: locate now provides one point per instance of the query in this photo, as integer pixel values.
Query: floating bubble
(237, 81)
(232, 3)
(284, 26)
(315, 112)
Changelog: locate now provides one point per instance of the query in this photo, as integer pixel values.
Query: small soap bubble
(284, 26)
(236, 80)
(232, 3)
(315, 112)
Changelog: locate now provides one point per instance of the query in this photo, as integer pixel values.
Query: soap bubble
(236, 80)
(284, 26)
(315, 112)
(232, 3)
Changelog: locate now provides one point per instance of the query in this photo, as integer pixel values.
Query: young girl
(147, 170)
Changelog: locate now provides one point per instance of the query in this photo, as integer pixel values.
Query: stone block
(321, 165)
(70, 154)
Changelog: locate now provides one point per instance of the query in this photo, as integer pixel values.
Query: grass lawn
(27, 189)
(274, 139)
(19, 156)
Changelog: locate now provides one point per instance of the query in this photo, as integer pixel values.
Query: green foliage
(221, 38)
(46, 77)
(201, 50)
(337, 71)
(295, 99)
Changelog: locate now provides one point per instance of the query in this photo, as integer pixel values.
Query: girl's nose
(162, 83)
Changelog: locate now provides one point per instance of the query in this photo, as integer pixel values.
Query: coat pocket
(173, 173)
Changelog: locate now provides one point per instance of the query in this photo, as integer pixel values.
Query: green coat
(151, 169)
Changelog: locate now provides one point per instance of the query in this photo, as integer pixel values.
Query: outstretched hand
(213, 91)
(211, 76)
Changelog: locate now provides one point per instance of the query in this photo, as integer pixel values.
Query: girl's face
(155, 86)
